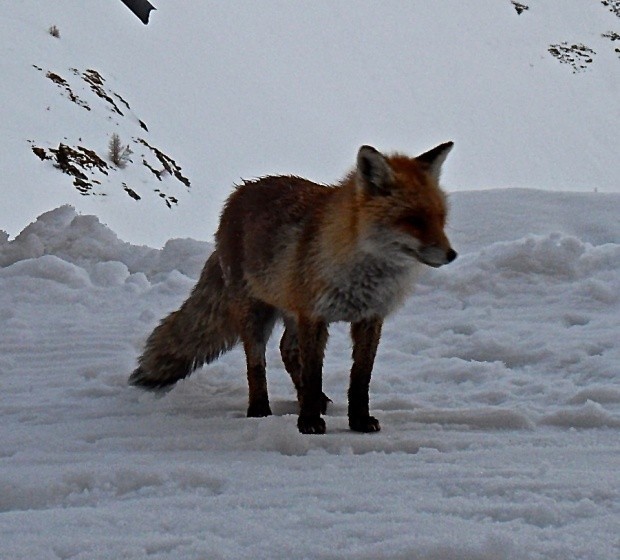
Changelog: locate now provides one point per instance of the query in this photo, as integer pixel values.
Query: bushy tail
(196, 334)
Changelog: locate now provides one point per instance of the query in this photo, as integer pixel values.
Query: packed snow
(497, 388)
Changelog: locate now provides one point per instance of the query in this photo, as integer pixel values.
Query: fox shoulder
(263, 215)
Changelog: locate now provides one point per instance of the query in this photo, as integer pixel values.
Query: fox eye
(415, 221)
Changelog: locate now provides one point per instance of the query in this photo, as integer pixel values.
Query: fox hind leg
(255, 327)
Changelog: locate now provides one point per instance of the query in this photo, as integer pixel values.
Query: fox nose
(451, 255)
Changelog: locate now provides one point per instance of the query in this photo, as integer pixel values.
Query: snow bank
(87, 243)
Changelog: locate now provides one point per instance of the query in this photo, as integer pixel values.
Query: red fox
(310, 255)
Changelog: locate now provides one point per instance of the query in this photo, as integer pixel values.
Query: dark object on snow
(519, 7)
(142, 8)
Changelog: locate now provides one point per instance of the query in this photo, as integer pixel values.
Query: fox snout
(436, 256)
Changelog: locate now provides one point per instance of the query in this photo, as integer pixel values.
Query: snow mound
(84, 241)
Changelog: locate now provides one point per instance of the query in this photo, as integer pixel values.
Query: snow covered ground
(497, 387)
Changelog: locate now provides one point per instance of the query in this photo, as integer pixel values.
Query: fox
(307, 254)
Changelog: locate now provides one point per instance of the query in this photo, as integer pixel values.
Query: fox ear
(374, 174)
(433, 159)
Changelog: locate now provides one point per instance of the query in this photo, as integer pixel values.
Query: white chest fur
(370, 285)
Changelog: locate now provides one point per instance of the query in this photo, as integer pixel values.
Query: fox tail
(197, 333)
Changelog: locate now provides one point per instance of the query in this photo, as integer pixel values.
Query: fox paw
(259, 410)
(364, 424)
(311, 425)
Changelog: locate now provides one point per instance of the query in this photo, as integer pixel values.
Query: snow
(497, 385)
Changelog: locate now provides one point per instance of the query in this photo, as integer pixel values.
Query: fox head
(402, 204)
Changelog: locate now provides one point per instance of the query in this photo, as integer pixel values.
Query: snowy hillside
(497, 387)
(231, 91)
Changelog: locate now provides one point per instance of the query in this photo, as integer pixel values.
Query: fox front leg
(289, 350)
(312, 336)
(365, 335)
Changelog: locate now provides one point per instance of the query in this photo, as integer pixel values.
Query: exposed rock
(84, 165)
(613, 5)
(577, 55)
(169, 164)
(63, 84)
